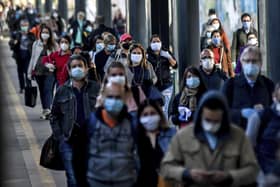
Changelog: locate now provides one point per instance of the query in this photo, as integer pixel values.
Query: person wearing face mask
(102, 56)
(250, 91)
(116, 73)
(205, 39)
(80, 30)
(60, 22)
(162, 60)
(72, 105)
(153, 137)
(217, 25)
(21, 45)
(111, 141)
(251, 41)
(211, 151)
(185, 102)
(213, 77)
(43, 75)
(30, 13)
(222, 56)
(121, 54)
(240, 38)
(57, 61)
(263, 131)
(143, 72)
(211, 15)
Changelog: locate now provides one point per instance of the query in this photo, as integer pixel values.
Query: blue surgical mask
(216, 41)
(77, 73)
(150, 123)
(111, 47)
(208, 34)
(99, 46)
(251, 70)
(192, 82)
(24, 28)
(113, 106)
(246, 25)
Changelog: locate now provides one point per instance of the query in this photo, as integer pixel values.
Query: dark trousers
(73, 154)
(22, 66)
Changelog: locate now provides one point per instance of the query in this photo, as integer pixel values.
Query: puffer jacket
(111, 153)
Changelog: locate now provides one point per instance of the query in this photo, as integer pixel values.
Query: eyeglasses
(253, 61)
(205, 57)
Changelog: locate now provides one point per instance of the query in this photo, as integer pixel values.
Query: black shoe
(21, 91)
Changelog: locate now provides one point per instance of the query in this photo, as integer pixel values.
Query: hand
(258, 107)
(233, 65)
(29, 76)
(199, 176)
(247, 112)
(217, 177)
(165, 54)
(50, 66)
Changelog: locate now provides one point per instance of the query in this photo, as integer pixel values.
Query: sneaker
(45, 114)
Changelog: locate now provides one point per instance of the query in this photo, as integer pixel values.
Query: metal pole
(188, 34)
(48, 6)
(80, 5)
(104, 8)
(62, 9)
(273, 38)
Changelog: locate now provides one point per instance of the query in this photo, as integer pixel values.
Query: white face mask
(210, 127)
(117, 79)
(136, 58)
(64, 46)
(45, 36)
(216, 26)
(150, 123)
(207, 63)
(213, 16)
(156, 46)
(253, 41)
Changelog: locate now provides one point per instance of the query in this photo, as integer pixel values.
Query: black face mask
(126, 45)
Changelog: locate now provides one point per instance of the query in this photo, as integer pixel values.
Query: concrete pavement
(24, 133)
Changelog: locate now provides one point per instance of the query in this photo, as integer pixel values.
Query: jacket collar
(243, 81)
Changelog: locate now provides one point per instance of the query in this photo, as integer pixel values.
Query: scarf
(188, 98)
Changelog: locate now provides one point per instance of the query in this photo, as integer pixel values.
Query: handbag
(50, 156)
(30, 94)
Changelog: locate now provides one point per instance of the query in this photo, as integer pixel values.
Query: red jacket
(60, 62)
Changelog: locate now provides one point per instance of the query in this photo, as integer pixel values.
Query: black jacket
(161, 66)
(75, 26)
(215, 80)
(241, 95)
(64, 109)
(15, 40)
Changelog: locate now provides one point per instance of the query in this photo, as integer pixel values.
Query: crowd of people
(109, 113)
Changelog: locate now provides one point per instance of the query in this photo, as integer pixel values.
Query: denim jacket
(165, 137)
(64, 109)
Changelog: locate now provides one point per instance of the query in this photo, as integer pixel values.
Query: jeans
(48, 89)
(74, 159)
(66, 152)
(95, 183)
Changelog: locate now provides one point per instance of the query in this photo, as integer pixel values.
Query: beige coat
(233, 155)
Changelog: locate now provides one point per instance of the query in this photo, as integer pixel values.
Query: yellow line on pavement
(45, 176)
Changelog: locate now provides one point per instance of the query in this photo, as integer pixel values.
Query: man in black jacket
(21, 44)
(249, 92)
(212, 77)
(72, 105)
